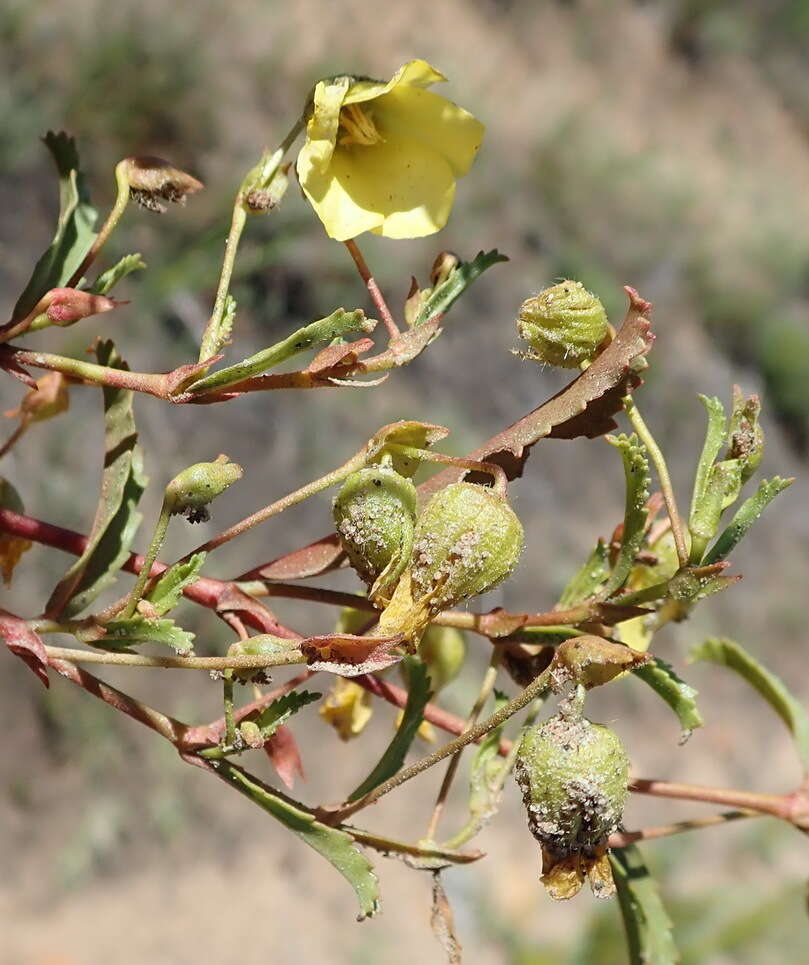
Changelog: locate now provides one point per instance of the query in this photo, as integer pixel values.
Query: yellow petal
(399, 189)
(347, 708)
(415, 73)
(434, 120)
(321, 128)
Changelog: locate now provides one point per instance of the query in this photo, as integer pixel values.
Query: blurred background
(659, 144)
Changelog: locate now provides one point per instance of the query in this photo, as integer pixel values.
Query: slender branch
(778, 805)
(235, 662)
(486, 687)
(499, 717)
(310, 489)
(427, 455)
(211, 339)
(666, 487)
(373, 289)
(14, 438)
(115, 215)
(158, 537)
(388, 845)
(620, 839)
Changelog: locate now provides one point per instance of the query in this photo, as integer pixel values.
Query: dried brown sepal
(154, 182)
(349, 655)
(25, 644)
(48, 399)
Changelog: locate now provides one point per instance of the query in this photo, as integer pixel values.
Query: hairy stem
(242, 662)
(115, 215)
(143, 576)
(622, 838)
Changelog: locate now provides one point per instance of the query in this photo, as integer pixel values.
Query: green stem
(121, 201)
(536, 687)
(666, 487)
(89, 372)
(145, 571)
(244, 662)
(213, 337)
(486, 687)
(427, 455)
(227, 700)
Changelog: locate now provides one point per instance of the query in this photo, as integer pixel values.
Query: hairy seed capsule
(564, 325)
(573, 776)
(375, 514)
(468, 539)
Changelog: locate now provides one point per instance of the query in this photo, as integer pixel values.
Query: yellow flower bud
(443, 651)
(347, 708)
(564, 325)
(375, 514)
(573, 775)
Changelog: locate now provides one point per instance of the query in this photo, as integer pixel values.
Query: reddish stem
(373, 289)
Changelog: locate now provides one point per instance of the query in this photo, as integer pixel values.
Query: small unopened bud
(11, 547)
(746, 437)
(67, 305)
(153, 182)
(191, 490)
(375, 514)
(443, 652)
(251, 734)
(573, 775)
(263, 197)
(48, 399)
(564, 325)
(445, 263)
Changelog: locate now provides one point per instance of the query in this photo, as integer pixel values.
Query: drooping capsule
(573, 776)
(375, 515)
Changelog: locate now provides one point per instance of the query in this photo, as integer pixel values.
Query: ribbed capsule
(468, 539)
(375, 516)
(564, 325)
(573, 776)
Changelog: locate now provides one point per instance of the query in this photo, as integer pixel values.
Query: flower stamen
(357, 127)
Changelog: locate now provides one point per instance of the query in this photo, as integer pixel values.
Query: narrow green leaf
(638, 479)
(335, 845)
(721, 491)
(137, 630)
(321, 332)
(166, 593)
(117, 519)
(648, 927)
(661, 677)
(107, 280)
(746, 515)
(731, 654)
(279, 711)
(587, 581)
(460, 278)
(74, 229)
(392, 759)
(715, 435)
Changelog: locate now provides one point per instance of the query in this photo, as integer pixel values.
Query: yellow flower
(11, 547)
(347, 708)
(384, 157)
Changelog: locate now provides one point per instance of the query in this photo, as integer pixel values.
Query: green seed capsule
(191, 490)
(443, 652)
(375, 514)
(573, 775)
(564, 325)
(468, 539)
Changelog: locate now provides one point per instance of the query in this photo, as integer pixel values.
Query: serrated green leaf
(166, 593)
(721, 490)
(647, 925)
(460, 278)
(728, 653)
(279, 711)
(321, 332)
(638, 479)
(746, 515)
(74, 229)
(588, 580)
(107, 280)
(335, 845)
(137, 630)
(117, 520)
(392, 759)
(715, 435)
(661, 677)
